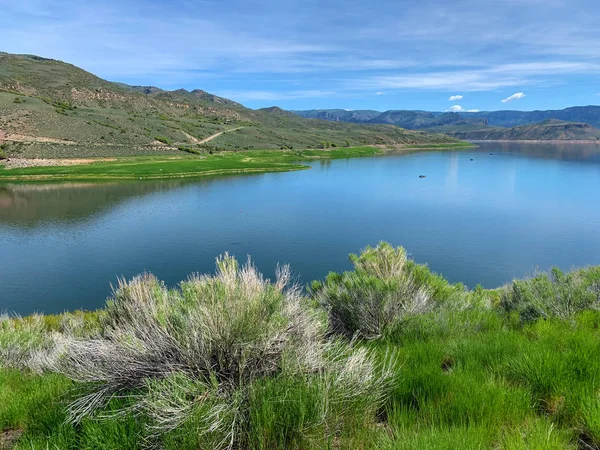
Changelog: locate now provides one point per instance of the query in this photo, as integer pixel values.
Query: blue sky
(322, 54)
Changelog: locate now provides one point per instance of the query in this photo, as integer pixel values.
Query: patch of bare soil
(24, 138)
(214, 136)
(9, 437)
(192, 139)
(19, 163)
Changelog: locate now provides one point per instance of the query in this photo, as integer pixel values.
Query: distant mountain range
(576, 123)
(547, 130)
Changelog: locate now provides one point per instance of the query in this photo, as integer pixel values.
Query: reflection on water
(480, 216)
(325, 163)
(31, 204)
(582, 152)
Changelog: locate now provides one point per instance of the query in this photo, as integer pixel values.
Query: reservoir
(479, 216)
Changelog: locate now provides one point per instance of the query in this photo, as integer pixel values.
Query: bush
(163, 139)
(189, 150)
(375, 299)
(190, 357)
(24, 343)
(555, 294)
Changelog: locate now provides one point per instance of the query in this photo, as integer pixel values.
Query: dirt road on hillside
(214, 136)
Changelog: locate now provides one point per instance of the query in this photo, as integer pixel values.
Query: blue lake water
(477, 217)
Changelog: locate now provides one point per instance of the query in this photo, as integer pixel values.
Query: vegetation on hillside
(65, 112)
(415, 120)
(545, 131)
(386, 356)
(411, 120)
(570, 124)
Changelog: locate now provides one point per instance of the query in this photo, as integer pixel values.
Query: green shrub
(553, 295)
(191, 357)
(163, 139)
(375, 299)
(234, 361)
(24, 343)
(183, 148)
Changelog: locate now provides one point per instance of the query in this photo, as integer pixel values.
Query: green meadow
(189, 165)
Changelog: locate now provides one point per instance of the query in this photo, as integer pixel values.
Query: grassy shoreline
(386, 356)
(222, 163)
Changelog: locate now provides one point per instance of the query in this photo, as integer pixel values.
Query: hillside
(581, 114)
(547, 130)
(340, 115)
(484, 123)
(52, 109)
(411, 120)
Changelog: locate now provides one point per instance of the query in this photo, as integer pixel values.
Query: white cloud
(273, 95)
(458, 108)
(477, 80)
(378, 93)
(281, 40)
(517, 96)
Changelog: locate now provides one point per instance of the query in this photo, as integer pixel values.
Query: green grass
(183, 166)
(37, 404)
(467, 373)
(530, 388)
(190, 166)
(535, 387)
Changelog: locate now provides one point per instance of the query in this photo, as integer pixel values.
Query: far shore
(537, 141)
(187, 166)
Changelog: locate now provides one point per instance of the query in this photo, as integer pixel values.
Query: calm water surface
(521, 209)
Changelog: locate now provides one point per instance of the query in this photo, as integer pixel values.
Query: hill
(486, 123)
(582, 114)
(418, 120)
(340, 115)
(49, 108)
(552, 129)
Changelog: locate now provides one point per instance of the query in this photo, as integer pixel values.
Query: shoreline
(151, 168)
(537, 141)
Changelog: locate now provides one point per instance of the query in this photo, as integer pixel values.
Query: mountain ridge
(49, 108)
(547, 130)
(506, 118)
(492, 125)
